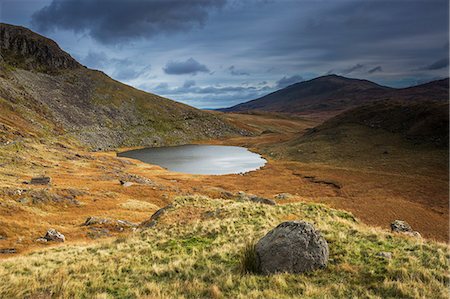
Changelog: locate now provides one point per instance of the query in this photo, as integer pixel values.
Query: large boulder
(294, 247)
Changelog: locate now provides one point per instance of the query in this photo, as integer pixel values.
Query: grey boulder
(293, 247)
(54, 235)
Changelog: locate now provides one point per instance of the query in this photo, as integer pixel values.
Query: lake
(199, 159)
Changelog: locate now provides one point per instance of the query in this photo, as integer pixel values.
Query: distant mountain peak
(21, 47)
(334, 93)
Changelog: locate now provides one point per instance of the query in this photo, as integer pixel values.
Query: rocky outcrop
(154, 218)
(23, 48)
(242, 196)
(400, 226)
(41, 180)
(54, 235)
(294, 247)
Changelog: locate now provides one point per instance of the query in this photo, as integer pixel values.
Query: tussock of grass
(249, 262)
(188, 256)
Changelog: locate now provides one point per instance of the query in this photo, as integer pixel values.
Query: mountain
(337, 93)
(46, 92)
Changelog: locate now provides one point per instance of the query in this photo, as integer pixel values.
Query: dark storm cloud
(236, 72)
(375, 70)
(190, 66)
(440, 64)
(114, 21)
(286, 81)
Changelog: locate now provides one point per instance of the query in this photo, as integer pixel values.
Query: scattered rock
(294, 247)
(400, 226)
(241, 195)
(42, 180)
(54, 235)
(126, 184)
(7, 250)
(91, 220)
(41, 240)
(283, 196)
(384, 254)
(119, 225)
(154, 218)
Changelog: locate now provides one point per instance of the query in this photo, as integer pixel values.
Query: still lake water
(199, 159)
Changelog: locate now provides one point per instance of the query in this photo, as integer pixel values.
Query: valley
(348, 156)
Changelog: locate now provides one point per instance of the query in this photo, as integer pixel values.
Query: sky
(218, 53)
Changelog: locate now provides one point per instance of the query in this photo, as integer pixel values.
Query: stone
(92, 220)
(293, 247)
(41, 180)
(384, 254)
(126, 184)
(283, 196)
(41, 240)
(54, 235)
(400, 226)
(242, 196)
(7, 250)
(154, 218)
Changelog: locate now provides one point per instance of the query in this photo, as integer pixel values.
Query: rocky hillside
(337, 93)
(44, 91)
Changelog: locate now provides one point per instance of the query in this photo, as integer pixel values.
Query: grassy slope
(191, 256)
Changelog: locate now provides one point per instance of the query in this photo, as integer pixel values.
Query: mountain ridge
(337, 93)
(45, 92)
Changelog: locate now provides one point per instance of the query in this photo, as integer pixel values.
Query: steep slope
(336, 93)
(44, 91)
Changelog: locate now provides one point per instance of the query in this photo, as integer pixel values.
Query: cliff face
(45, 92)
(20, 47)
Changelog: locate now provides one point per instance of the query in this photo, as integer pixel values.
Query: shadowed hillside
(44, 91)
(335, 93)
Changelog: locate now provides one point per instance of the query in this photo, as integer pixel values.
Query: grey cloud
(286, 81)
(437, 65)
(190, 66)
(375, 70)
(115, 21)
(352, 69)
(235, 72)
(189, 83)
(120, 69)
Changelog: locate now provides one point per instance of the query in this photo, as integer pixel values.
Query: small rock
(91, 220)
(3, 237)
(154, 218)
(242, 196)
(384, 254)
(126, 184)
(400, 226)
(283, 196)
(54, 235)
(294, 247)
(41, 240)
(7, 250)
(42, 180)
